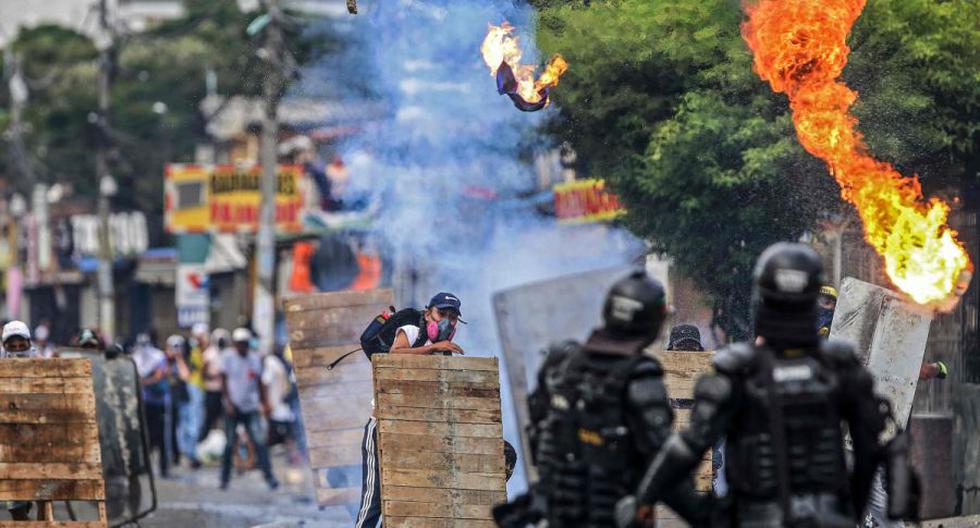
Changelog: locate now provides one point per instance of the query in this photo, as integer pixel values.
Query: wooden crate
(335, 403)
(440, 439)
(49, 437)
(681, 372)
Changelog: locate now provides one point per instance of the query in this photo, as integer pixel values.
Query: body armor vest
(786, 439)
(586, 455)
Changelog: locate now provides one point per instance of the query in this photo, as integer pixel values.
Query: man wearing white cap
(17, 340)
(244, 398)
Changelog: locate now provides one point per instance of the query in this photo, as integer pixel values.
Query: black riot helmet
(636, 306)
(788, 277)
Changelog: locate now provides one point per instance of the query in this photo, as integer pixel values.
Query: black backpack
(380, 334)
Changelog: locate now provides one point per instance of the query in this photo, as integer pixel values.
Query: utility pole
(107, 304)
(263, 302)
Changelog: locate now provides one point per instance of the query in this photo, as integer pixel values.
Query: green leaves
(662, 97)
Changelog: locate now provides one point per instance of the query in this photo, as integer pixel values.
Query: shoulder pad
(557, 352)
(647, 366)
(840, 352)
(735, 359)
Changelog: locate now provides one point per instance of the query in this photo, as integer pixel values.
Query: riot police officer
(599, 414)
(780, 403)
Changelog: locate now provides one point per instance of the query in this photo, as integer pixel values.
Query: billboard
(225, 198)
(585, 201)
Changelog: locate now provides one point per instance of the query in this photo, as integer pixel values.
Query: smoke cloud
(449, 166)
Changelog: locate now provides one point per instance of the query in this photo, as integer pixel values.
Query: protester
(88, 339)
(16, 338)
(44, 347)
(685, 337)
(152, 368)
(244, 397)
(194, 417)
(277, 379)
(439, 319)
(211, 374)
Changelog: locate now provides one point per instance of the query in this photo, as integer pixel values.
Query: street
(191, 498)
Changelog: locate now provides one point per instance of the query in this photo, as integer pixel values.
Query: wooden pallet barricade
(440, 439)
(49, 438)
(335, 402)
(681, 372)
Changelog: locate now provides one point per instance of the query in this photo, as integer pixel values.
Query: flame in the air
(502, 46)
(800, 48)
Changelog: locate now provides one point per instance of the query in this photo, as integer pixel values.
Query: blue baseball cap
(445, 300)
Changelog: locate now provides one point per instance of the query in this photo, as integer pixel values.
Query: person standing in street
(211, 380)
(780, 402)
(277, 379)
(194, 415)
(599, 414)
(244, 398)
(152, 368)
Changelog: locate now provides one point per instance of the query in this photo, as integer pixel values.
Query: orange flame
(500, 46)
(800, 48)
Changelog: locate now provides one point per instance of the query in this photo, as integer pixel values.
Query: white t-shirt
(412, 333)
(243, 379)
(212, 368)
(277, 387)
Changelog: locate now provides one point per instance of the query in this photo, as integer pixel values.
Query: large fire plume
(502, 49)
(800, 48)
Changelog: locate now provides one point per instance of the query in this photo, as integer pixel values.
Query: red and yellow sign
(225, 198)
(584, 201)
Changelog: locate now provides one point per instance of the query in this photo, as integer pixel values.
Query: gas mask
(443, 330)
(825, 316)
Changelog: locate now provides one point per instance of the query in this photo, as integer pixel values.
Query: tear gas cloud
(449, 162)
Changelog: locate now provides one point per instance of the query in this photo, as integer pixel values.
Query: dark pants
(213, 409)
(251, 422)
(370, 511)
(159, 434)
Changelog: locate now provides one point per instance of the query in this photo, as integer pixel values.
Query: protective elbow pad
(673, 463)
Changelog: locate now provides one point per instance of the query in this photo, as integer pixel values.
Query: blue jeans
(189, 418)
(253, 424)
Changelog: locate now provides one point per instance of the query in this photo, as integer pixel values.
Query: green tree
(661, 100)
(159, 83)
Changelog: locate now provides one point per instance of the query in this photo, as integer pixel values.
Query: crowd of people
(207, 393)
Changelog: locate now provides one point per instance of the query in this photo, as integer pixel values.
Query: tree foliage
(158, 85)
(661, 100)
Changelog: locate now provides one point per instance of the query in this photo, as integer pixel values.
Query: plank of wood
(337, 437)
(337, 496)
(466, 462)
(331, 327)
(445, 496)
(47, 408)
(418, 374)
(60, 454)
(441, 389)
(45, 368)
(428, 402)
(440, 444)
(335, 455)
(306, 357)
(321, 301)
(52, 524)
(494, 430)
(428, 522)
(411, 361)
(682, 370)
(324, 422)
(52, 490)
(439, 415)
(428, 509)
(423, 478)
(52, 385)
(50, 470)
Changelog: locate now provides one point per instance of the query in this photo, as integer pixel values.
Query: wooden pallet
(440, 439)
(681, 373)
(49, 438)
(335, 403)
